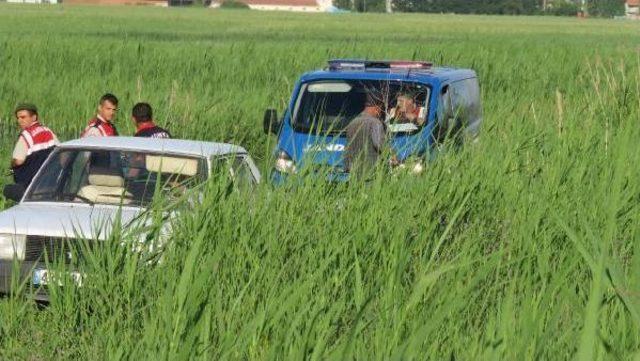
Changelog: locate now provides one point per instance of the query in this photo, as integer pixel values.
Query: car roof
(155, 145)
(423, 73)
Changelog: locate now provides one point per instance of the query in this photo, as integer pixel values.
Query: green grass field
(525, 246)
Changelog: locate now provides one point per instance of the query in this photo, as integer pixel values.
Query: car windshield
(327, 107)
(114, 177)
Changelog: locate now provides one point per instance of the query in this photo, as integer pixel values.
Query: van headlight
(417, 168)
(285, 164)
(413, 166)
(12, 245)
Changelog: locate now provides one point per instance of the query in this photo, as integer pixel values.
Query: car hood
(68, 220)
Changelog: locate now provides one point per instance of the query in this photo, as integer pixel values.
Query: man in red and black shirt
(102, 125)
(142, 116)
(34, 144)
(406, 110)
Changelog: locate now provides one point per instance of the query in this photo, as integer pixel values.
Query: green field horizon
(522, 246)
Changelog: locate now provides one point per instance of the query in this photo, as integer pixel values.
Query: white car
(86, 183)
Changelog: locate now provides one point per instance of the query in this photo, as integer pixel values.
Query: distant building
(315, 6)
(33, 1)
(113, 2)
(632, 9)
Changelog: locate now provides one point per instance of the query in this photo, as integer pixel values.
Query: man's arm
(92, 132)
(419, 117)
(19, 153)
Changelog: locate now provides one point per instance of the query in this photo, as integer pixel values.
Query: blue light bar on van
(341, 64)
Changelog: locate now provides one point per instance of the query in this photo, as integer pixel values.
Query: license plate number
(43, 277)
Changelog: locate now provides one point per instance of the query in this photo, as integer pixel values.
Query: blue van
(423, 106)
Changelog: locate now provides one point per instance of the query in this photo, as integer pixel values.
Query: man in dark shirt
(365, 139)
(142, 116)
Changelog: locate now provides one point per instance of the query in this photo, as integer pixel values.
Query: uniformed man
(142, 116)
(34, 144)
(366, 135)
(102, 125)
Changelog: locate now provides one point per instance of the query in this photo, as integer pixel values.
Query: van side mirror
(270, 123)
(13, 192)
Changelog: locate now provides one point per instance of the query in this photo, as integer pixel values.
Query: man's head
(26, 114)
(108, 107)
(373, 106)
(141, 113)
(406, 103)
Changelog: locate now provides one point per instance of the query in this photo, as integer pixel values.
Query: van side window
(446, 115)
(460, 112)
(474, 108)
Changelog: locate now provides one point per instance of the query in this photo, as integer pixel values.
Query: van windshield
(328, 106)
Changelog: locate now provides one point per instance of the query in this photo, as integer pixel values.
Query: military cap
(28, 107)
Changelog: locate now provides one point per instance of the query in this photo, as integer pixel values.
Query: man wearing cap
(34, 144)
(365, 138)
(102, 125)
(142, 116)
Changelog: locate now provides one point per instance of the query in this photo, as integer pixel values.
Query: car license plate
(43, 277)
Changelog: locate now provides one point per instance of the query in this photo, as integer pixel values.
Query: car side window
(236, 168)
(49, 179)
(79, 173)
(241, 173)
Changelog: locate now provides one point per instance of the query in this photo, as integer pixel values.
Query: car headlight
(12, 246)
(285, 164)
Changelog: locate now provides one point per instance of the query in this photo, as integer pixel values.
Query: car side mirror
(270, 123)
(13, 192)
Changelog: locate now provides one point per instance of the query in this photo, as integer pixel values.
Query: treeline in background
(600, 8)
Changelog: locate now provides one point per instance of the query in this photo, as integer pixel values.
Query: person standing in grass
(102, 125)
(34, 144)
(142, 116)
(365, 138)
